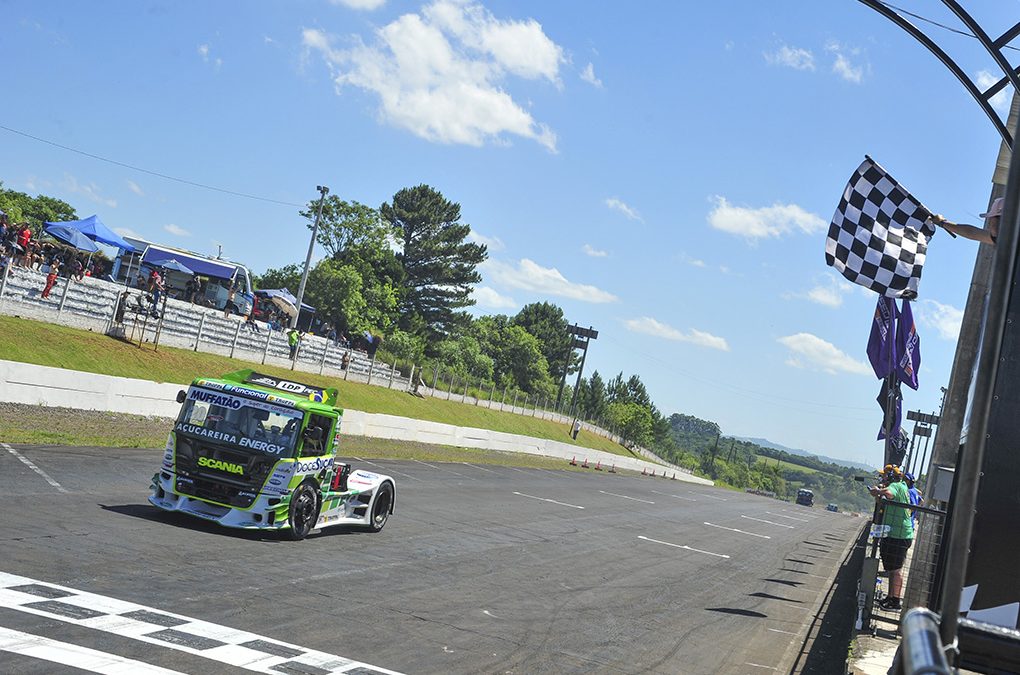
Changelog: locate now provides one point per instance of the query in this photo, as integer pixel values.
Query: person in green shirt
(293, 337)
(894, 546)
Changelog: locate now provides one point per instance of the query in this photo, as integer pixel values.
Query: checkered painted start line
(172, 631)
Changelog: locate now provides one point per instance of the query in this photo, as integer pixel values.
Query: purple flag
(883, 398)
(881, 351)
(908, 348)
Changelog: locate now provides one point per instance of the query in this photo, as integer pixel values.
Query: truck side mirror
(181, 396)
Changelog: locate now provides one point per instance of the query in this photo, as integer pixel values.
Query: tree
(36, 211)
(439, 264)
(516, 354)
(591, 396)
(335, 292)
(288, 276)
(344, 224)
(633, 422)
(545, 321)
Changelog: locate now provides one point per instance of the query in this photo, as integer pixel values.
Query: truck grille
(210, 472)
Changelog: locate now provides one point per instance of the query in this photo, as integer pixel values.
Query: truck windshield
(254, 425)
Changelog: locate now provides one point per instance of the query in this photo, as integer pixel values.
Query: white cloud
(594, 252)
(361, 5)
(88, 190)
(588, 75)
(618, 205)
(829, 292)
(494, 244)
(791, 57)
(945, 319)
(176, 230)
(813, 353)
(488, 297)
(442, 73)
(1000, 101)
(766, 221)
(843, 66)
(127, 232)
(530, 276)
(203, 51)
(650, 326)
(133, 186)
(693, 262)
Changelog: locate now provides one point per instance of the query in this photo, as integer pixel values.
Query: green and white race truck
(257, 452)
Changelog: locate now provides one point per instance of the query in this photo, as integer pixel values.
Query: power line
(150, 172)
(940, 25)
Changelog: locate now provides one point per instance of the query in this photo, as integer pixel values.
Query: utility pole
(323, 191)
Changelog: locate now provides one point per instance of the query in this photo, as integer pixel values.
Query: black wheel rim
(382, 507)
(303, 508)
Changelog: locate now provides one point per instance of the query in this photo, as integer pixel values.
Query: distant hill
(765, 443)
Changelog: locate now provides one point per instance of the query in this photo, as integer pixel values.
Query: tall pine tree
(440, 265)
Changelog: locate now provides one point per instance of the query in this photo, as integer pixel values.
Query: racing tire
(381, 507)
(303, 512)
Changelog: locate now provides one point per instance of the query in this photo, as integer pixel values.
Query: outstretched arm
(965, 231)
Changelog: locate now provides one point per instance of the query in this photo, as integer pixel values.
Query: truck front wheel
(304, 511)
(381, 507)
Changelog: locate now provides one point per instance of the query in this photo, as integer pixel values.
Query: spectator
(251, 324)
(229, 305)
(78, 269)
(916, 498)
(24, 236)
(157, 287)
(6, 260)
(191, 289)
(896, 542)
(293, 337)
(576, 429)
(4, 228)
(51, 278)
(345, 360)
(986, 235)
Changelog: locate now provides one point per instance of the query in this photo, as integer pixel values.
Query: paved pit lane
(482, 569)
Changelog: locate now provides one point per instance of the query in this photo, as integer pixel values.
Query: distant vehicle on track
(256, 452)
(832, 507)
(805, 497)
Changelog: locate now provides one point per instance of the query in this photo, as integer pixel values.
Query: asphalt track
(482, 569)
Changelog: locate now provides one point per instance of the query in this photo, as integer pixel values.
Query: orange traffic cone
(573, 461)
(585, 465)
(612, 469)
(644, 471)
(598, 465)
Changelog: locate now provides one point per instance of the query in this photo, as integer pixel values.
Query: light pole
(323, 191)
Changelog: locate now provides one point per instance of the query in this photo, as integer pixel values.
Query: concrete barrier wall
(43, 385)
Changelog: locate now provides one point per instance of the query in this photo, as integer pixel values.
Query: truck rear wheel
(304, 511)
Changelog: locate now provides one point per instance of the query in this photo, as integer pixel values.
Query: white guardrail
(42, 385)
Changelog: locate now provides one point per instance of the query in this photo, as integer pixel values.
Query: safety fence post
(265, 351)
(233, 345)
(322, 363)
(201, 326)
(393, 369)
(63, 297)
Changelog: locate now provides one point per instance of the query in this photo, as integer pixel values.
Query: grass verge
(47, 344)
(37, 425)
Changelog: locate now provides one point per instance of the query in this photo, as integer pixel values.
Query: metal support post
(63, 297)
(233, 344)
(325, 351)
(371, 367)
(393, 369)
(265, 351)
(198, 338)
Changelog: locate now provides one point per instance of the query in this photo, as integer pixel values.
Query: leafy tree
(692, 425)
(591, 396)
(405, 347)
(633, 422)
(36, 211)
(545, 321)
(439, 264)
(382, 278)
(345, 224)
(288, 276)
(335, 292)
(464, 356)
(516, 354)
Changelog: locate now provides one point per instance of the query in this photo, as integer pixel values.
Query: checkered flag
(879, 235)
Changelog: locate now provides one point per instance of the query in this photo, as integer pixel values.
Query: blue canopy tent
(94, 229)
(158, 257)
(70, 236)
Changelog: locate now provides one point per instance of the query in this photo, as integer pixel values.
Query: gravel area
(21, 423)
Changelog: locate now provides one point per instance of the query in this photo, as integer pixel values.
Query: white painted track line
(31, 465)
(551, 501)
(779, 515)
(683, 546)
(733, 529)
(613, 494)
(45, 649)
(760, 520)
(666, 494)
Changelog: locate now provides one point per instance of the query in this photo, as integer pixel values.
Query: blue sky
(664, 171)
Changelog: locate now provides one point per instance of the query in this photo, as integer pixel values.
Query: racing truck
(258, 452)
